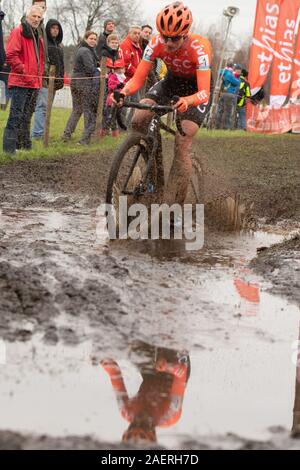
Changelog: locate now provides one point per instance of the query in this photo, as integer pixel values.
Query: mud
(280, 264)
(70, 299)
(13, 441)
(265, 172)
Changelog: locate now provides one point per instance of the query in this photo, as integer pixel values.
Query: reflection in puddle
(243, 385)
(238, 375)
(224, 249)
(158, 402)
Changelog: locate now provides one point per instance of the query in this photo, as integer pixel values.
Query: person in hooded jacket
(84, 89)
(25, 55)
(54, 34)
(109, 27)
(55, 51)
(228, 98)
(114, 59)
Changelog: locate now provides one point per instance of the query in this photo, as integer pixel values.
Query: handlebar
(155, 108)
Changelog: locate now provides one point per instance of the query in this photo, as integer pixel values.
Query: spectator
(4, 75)
(243, 95)
(41, 106)
(113, 52)
(84, 89)
(24, 53)
(116, 81)
(237, 70)
(54, 34)
(228, 98)
(43, 5)
(2, 50)
(114, 60)
(4, 68)
(132, 53)
(152, 78)
(146, 33)
(109, 27)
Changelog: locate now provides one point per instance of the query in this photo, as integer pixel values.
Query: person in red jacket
(158, 403)
(132, 53)
(24, 53)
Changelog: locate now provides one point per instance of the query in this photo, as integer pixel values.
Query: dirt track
(61, 286)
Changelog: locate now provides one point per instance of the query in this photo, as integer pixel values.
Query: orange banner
(295, 88)
(263, 42)
(295, 118)
(267, 120)
(284, 53)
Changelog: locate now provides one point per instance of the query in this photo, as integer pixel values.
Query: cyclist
(158, 402)
(187, 57)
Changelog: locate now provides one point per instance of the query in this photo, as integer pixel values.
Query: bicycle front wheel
(131, 174)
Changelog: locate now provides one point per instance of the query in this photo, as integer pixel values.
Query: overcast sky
(207, 12)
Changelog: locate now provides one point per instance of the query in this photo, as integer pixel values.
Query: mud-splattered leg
(180, 174)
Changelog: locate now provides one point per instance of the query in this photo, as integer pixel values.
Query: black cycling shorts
(164, 90)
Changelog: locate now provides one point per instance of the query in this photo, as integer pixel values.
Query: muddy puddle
(141, 337)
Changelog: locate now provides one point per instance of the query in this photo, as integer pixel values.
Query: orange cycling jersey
(191, 61)
(160, 395)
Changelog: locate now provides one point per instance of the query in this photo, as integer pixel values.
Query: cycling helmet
(174, 20)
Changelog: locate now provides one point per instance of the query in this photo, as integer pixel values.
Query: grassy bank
(57, 148)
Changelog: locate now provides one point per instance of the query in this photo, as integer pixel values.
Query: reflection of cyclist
(187, 57)
(160, 396)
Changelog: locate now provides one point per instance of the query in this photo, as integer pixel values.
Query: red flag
(295, 88)
(264, 42)
(284, 52)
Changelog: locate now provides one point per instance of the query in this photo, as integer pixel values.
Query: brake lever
(118, 96)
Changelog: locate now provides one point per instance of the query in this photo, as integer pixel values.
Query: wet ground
(208, 355)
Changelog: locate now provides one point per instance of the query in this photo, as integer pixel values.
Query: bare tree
(79, 16)
(215, 34)
(14, 10)
(242, 53)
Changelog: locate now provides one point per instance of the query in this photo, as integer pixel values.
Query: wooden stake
(49, 104)
(99, 117)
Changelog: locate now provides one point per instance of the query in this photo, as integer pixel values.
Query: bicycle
(137, 169)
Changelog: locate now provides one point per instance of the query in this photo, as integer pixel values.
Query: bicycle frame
(153, 136)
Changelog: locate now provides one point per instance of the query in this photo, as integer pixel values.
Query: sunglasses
(173, 39)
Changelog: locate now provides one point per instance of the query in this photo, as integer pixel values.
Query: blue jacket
(230, 83)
